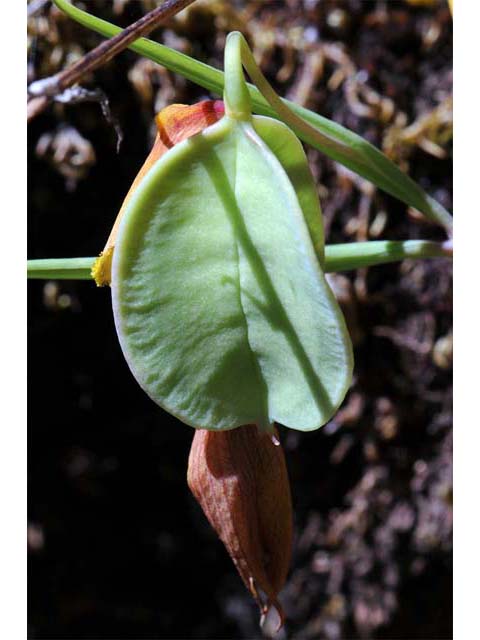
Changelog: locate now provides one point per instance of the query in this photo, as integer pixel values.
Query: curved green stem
(338, 143)
(338, 257)
(287, 115)
(306, 131)
(238, 104)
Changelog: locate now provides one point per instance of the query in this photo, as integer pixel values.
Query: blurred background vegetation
(118, 548)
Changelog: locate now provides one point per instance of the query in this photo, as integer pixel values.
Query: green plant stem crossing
(339, 143)
(338, 257)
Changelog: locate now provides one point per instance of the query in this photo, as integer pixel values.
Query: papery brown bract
(240, 479)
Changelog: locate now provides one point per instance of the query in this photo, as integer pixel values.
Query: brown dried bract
(240, 479)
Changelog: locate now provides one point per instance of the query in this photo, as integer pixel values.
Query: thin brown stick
(41, 91)
(36, 106)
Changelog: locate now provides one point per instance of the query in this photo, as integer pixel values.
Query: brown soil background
(118, 548)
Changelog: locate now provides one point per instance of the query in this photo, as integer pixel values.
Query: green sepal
(220, 302)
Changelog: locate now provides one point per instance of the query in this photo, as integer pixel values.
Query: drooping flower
(239, 476)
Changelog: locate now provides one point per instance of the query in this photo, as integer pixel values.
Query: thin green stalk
(60, 269)
(354, 255)
(338, 257)
(338, 143)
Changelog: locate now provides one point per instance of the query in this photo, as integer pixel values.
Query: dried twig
(36, 6)
(42, 91)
